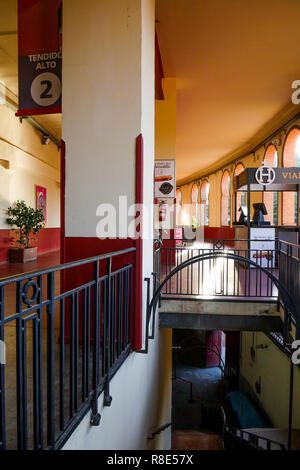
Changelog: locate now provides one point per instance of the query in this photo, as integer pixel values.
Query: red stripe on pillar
(62, 201)
(159, 72)
(138, 282)
(38, 111)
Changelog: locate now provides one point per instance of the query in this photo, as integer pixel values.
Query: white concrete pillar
(108, 100)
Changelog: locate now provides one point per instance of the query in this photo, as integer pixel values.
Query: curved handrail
(283, 294)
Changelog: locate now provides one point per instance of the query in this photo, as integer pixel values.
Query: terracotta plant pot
(22, 255)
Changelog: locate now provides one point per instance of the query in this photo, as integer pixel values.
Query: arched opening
(291, 158)
(178, 207)
(225, 199)
(241, 197)
(270, 198)
(204, 201)
(195, 195)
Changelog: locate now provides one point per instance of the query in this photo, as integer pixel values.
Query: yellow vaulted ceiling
(234, 61)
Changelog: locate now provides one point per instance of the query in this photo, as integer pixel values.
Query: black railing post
(2, 374)
(21, 386)
(95, 415)
(50, 360)
(291, 406)
(159, 272)
(107, 398)
(147, 320)
(191, 400)
(154, 287)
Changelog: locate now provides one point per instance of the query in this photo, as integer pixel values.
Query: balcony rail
(223, 277)
(62, 348)
(289, 272)
(240, 439)
(234, 273)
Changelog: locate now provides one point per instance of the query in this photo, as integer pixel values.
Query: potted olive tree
(29, 221)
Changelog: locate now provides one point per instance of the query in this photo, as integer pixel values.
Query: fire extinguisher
(162, 211)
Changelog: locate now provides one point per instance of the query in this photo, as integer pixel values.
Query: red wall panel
(47, 240)
(218, 233)
(4, 245)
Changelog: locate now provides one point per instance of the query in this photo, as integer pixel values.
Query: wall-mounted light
(5, 164)
(258, 386)
(276, 141)
(45, 139)
(261, 346)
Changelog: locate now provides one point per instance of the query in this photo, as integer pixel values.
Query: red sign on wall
(40, 56)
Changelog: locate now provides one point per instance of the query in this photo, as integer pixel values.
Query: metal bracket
(145, 349)
(95, 415)
(154, 307)
(107, 397)
(95, 419)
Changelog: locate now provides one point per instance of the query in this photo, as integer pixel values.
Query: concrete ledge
(220, 322)
(212, 307)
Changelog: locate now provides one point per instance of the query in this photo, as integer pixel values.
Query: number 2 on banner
(46, 89)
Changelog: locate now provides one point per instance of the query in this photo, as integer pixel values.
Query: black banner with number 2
(40, 56)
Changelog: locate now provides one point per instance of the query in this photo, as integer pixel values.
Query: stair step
(195, 440)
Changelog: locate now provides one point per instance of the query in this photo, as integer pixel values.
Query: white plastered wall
(30, 164)
(108, 80)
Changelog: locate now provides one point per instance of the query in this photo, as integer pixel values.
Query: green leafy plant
(194, 224)
(26, 219)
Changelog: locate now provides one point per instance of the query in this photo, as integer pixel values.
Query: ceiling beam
(8, 33)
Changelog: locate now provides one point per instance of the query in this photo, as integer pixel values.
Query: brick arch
(194, 193)
(194, 200)
(290, 147)
(271, 199)
(240, 195)
(204, 200)
(289, 199)
(178, 206)
(225, 199)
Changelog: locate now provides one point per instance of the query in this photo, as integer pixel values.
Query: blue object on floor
(247, 415)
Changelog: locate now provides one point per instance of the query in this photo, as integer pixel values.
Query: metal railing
(239, 439)
(289, 272)
(225, 272)
(62, 348)
(223, 277)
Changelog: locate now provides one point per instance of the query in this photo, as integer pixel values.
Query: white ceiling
(234, 61)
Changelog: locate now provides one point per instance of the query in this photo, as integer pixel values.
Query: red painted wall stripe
(47, 240)
(218, 233)
(39, 111)
(4, 245)
(138, 284)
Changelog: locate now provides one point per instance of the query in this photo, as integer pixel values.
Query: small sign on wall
(262, 246)
(164, 179)
(41, 200)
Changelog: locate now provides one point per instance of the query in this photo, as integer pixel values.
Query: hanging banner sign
(40, 56)
(164, 179)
